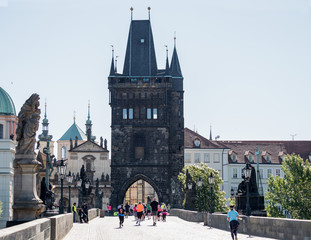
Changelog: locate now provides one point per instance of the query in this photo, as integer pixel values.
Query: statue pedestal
(27, 205)
(257, 203)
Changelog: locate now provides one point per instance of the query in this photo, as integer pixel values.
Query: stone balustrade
(52, 228)
(279, 228)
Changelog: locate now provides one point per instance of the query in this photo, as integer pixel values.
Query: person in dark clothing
(154, 208)
(85, 210)
(121, 215)
(82, 215)
(127, 209)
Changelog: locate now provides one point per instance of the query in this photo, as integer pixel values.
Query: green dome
(6, 104)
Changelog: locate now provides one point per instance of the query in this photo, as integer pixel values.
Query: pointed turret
(88, 125)
(167, 66)
(45, 128)
(140, 58)
(112, 68)
(210, 133)
(175, 67)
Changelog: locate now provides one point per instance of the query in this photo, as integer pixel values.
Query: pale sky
(246, 63)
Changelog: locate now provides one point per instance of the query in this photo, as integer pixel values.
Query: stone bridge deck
(175, 228)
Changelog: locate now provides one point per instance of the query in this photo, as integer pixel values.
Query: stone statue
(101, 141)
(105, 142)
(43, 190)
(28, 124)
(71, 145)
(107, 177)
(82, 172)
(253, 190)
(102, 178)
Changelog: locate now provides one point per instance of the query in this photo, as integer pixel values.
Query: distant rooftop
(72, 132)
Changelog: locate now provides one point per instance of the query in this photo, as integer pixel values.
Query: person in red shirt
(140, 210)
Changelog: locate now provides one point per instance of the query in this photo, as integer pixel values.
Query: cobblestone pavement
(175, 228)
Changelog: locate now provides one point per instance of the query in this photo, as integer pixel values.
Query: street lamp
(62, 173)
(211, 181)
(248, 172)
(69, 180)
(232, 193)
(199, 183)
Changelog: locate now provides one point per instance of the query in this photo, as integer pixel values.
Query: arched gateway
(147, 127)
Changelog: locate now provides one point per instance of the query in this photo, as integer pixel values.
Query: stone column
(27, 205)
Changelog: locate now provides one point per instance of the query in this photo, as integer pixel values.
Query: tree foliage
(290, 196)
(204, 172)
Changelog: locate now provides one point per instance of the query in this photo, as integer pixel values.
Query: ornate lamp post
(211, 181)
(62, 173)
(232, 193)
(248, 172)
(69, 180)
(199, 183)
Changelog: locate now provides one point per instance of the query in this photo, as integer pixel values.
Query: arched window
(64, 152)
(1, 131)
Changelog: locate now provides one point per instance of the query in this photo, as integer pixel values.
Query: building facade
(230, 158)
(147, 128)
(8, 124)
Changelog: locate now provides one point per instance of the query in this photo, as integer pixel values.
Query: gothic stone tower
(147, 130)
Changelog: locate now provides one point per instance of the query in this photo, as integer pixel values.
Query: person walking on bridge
(232, 217)
(140, 210)
(154, 209)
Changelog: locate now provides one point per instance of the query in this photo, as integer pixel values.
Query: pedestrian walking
(140, 210)
(82, 215)
(127, 209)
(232, 217)
(109, 210)
(159, 212)
(154, 209)
(149, 211)
(131, 209)
(74, 212)
(164, 213)
(121, 215)
(135, 211)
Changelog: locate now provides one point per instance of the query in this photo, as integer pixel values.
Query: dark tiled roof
(140, 58)
(175, 67)
(190, 136)
(275, 148)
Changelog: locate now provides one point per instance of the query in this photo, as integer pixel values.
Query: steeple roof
(175, 67)
(6, 103)
(140, 58)
(112, 69)
(72, 132)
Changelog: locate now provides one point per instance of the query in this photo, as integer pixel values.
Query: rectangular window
(155, 113)
(139, 152)
(1, 131)
(206, 157)
(131, 113)
(148, 113)
(188, 157)
(261, 173)
(235, 173)
(278, 172)
(124, 113)
(269, 172)
(242, 172)
(197, 157)
(133, 80)
(216, 157)
(145, 80)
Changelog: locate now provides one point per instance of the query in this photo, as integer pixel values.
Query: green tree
(204, 172)
(290, 195)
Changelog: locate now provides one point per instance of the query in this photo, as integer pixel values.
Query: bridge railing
(280, 228)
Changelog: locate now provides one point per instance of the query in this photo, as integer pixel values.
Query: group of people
(142, 211)
(82, 212)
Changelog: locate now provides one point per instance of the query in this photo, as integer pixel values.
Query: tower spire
(112, 69)
(74, 116)
(210, 132)
(45, 127)
(88, 124)
(167, 66)
(115, 67)
(149, 8)
(175, 67)
(131, 13)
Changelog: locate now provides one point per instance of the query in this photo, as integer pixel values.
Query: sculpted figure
(105, 142)
(28, 124)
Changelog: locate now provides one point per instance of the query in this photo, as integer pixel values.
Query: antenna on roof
(293, 136)
(131, 12)
(149, 8)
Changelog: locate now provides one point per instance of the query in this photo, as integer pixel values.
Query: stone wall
(93, 213)
(61, 225)
(191, 216)
(34, 230)
(279, 228)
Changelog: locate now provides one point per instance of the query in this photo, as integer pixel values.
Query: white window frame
(186, 159)
(216, 157)
(276, 170)
(235, 173)
(195, 157)
(206, 156)
(269, 172)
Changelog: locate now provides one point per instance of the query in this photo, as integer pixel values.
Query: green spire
(45, 128)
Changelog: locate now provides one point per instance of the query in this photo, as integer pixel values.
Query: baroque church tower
(147, 129)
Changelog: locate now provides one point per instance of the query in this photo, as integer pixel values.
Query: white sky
(246, 63)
